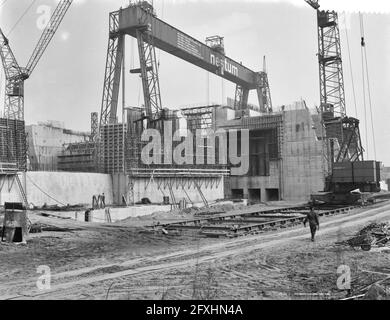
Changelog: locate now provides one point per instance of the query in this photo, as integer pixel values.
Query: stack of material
(374, 228)
(377, 292)
(373, 234)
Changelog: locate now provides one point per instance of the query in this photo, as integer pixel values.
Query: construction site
(203, 201)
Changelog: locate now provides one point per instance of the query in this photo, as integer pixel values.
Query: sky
(67, 84)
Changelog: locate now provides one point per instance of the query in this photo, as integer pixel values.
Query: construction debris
(372, 235)
(377, 292)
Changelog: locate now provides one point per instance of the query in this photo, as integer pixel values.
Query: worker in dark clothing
(103, 201)
(314, 223)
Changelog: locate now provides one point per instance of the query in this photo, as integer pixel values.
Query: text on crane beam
(224, 65)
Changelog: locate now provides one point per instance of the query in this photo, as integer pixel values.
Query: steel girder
(14, 87)
(113, 70)
(264, 93)
(94, 126)
(149, 69)
(351, 148)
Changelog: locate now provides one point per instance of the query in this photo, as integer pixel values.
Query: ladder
(201, 194)
(22, 191)
(174, 203)
(199, 190)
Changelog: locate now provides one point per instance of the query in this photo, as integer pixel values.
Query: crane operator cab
(147, 7)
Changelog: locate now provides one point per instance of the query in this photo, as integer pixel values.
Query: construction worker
(103, 198)
(313, 219)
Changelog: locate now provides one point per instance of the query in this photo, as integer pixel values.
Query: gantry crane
(338, 127)
(16, 75)
(140, 21)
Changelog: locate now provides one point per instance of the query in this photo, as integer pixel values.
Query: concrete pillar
(263, 195)
(246, 193)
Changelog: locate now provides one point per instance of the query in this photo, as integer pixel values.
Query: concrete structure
(78, 157)
(57, 188)
(156, 188)
(46, 141)
(117, 214)
(286, 161)
(63, 188)
(302, 157)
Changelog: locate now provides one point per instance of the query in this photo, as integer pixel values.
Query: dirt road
(283, 264)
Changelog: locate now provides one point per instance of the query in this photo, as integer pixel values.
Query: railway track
(242, 224)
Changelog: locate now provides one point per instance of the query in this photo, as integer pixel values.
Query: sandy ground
(119, 261)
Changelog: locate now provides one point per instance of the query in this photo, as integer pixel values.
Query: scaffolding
(13, 144)
(112, 146)
(199, 117)
(94, 126)
(78, 157)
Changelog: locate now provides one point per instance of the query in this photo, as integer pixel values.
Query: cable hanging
(21, 17)
(3, 3)
(365, 64)
(44, 192)
(350, 65)
(363, 82)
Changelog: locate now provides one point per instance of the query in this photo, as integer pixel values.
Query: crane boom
(11, 67)
(14, 81)
(48, 33)
(15, 75)
(313, 3)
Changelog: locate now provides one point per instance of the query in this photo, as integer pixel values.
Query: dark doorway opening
(237, 193)
(18, 235)
(272, 194)
(254, 195)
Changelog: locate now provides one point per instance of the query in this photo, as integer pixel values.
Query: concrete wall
(156, 189)
(302, 155)
(263, 183)
(45, 143)
(64, 187)
(116, 214)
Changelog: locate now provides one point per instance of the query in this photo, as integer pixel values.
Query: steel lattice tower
(330, 63)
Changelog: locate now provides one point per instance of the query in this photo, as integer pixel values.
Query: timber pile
(374, 228)
(375, 233)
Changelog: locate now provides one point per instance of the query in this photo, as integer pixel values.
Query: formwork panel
(13, 144)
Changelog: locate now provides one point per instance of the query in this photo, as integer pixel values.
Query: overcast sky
(67, 83)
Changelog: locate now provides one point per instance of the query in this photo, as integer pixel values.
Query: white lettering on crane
(224, 65)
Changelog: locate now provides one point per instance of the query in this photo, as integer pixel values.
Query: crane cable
(162, 18)
(350, 64)
(365, 63)
(21, 17)
(3, 3)
(363, 82)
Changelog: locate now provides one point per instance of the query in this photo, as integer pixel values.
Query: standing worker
(314, 223)
(103, 201)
